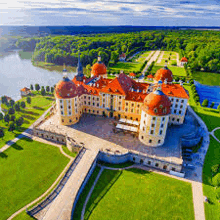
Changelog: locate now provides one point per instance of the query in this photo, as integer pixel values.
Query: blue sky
(110, 12)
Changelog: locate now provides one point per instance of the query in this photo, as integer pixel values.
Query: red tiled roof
(150, 76)
(157, 103)
(164, 73)
(99, 69)
(135, 96)
(174, 90)
(25, 89)
(132, 74)
(184, 59)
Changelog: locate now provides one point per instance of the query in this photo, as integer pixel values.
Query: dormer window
(155, 110)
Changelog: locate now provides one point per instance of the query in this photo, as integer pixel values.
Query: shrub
(1, 133)
(6, 118)
(205, 103)
(173, 63)
(23, 104)
(212, 105)
(29, 100)
(217, 192)
(1, 116)
(215, 168)
(12, 118)
(31, 87)
(17, 107)
(11, 127)
(216, 180)
(11, 111)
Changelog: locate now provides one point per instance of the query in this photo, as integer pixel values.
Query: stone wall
(139, 159)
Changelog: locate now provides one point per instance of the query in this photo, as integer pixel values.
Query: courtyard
(102, 128)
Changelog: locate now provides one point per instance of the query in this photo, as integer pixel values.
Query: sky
(110, 12)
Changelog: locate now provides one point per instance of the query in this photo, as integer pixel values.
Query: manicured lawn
(210, 116)
(27, 169)
(143, 56)
(127, 67)
(212, 209)
(217, 133)
(39, 104)
(138, 194)
(212, 79)
(177, 71)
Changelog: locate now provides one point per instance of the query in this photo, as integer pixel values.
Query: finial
(99, 59)
(64, 70)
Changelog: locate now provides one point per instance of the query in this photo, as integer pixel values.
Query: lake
(17, 72)
(212, 93)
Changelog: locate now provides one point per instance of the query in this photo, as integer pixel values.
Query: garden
(27, 169)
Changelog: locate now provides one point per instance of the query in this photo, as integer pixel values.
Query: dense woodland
(202, 48)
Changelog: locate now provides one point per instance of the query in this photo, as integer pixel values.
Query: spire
(79, 76)
(99, 59)
(64, 70)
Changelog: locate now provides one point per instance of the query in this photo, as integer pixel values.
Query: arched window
(155, 110)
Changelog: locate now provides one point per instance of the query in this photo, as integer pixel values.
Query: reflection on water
(212, 93)
(17, 72)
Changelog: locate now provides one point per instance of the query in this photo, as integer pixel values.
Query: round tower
(66, 101)
(154, 118)
(99, 69)
(164, 74)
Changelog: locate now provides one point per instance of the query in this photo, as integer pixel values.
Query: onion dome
(157, 103)
(164, 73)
(99, 68)
(184, 59)
(65, 89)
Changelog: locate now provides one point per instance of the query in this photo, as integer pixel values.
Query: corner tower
(154, 118)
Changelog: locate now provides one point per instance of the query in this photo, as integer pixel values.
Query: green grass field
(212, 79)
(177, 71)
(217, 133)
(127, 67)
(27, 169)
(212, 209)
(143, 56)
(39, 104)
(67, 151)
(137, 194)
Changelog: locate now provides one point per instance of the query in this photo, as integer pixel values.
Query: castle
(153, 105)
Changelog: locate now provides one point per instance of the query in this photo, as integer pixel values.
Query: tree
(4, 100)
(205, 103)
(48, 88)
(1, 133)
(6, 118)
(88, 69)
(51, 89)
(19, 121)
(23, 104)
(12, 118)
(212, 105)
(11, 102)
(29, 100)
(31, 87)
(1, 116)
(11, 127)
(43, 92)
(17, 107)
(11, 111)
(37, 87)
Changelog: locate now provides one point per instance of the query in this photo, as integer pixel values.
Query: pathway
(26, 133)
(55, 182)
(213, 134)
(160, 57)
(196, 189)
(178, 59)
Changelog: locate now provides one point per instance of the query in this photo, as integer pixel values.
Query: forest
(202, 48)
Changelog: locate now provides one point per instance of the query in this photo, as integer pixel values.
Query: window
(84, 97)
(142, 137)
(182, 101)
(161, 125)
(138, 111)
(97, 99)
(143, 128)
(62, 121)
(62, 113)
(150, 141)
(93, 103)
(119, 109)
(85, 102)
(144, 122)
(70, 120)
(97, 112)
(97, 104)
(152, 125)
(119, 103)
(93, 98)
(174, 111)
(138, 105)
(132, 104)
(161, 131)
(126, 104)
(164, 110)
(88, 103)
(69, 113)
(61, 106)
(119, 97)
(173, 119)
(177, 100)
(178, 120)
(126, 109)
(89, 97)
(149, 162)
(156, 165)
(131, 118)
(76, 118)
(180, 112)
(103, 100)
(163, 118)
(69, 107)
(176, 106)
(154, 118)
(152, 132)
(172, 100)
(103, 105)
(159, 141)
(132, 110)
(145, 115)
(173, 168)
(181, 106)
(93, 111)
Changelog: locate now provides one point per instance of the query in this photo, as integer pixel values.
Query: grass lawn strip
(212, 79)
(28, 169)
(39, 104)
(68, 152)
(127, 67)
(138, 194)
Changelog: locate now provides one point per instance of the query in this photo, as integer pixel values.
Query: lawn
(127, 66)
(39, 104)
(177, 71)
(217, 133)
(212, 209)
(143, 56)
(67, 151)
(137, 194)
(27, 169)
(212, 79)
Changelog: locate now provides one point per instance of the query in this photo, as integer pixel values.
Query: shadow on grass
(30, 112)
(28, 117)
(3, 155)
(100, 190)
(51, 99)
(138, 171)
(39, 108)
(17, 147)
